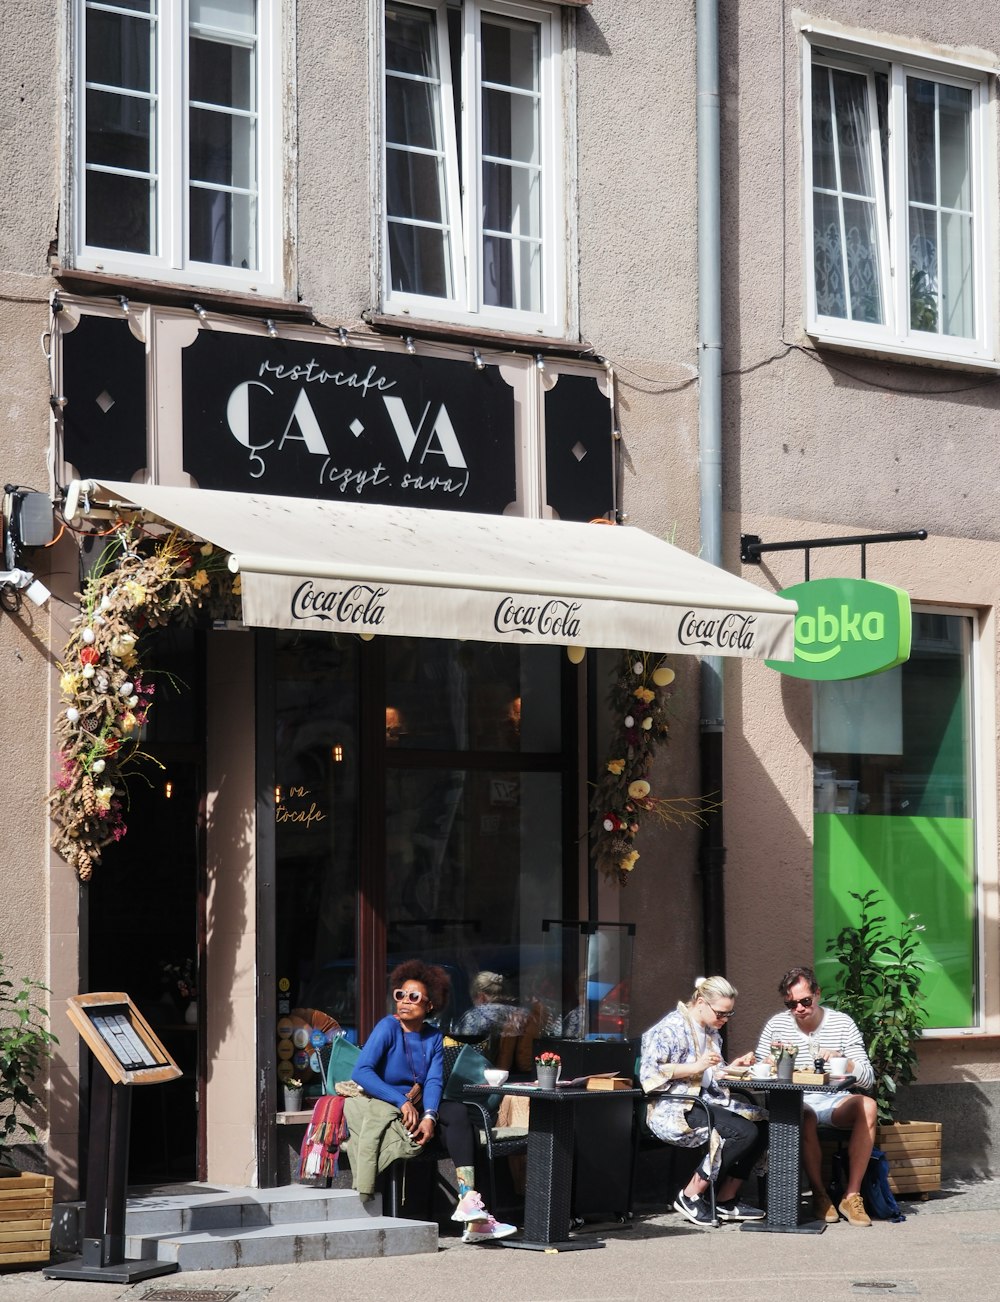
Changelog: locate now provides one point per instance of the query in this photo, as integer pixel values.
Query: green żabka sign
(847, 628)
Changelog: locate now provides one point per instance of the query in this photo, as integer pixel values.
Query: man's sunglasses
(792, 1004)
(402, 996)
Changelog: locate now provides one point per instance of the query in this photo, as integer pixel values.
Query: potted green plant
(25, 1044)
(877, 983)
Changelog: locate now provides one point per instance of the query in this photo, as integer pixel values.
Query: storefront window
(420, 794)
(894, 808)
(316, 823)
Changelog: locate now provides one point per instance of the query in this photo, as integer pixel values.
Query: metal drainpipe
(712, 853)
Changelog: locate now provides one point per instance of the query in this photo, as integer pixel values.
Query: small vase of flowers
(547, 1068)
(784, 1060)
(293, 1095)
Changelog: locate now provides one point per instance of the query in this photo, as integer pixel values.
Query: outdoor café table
(549, 1176)
(784, 1110)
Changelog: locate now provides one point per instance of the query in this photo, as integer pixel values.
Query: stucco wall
(832, 435)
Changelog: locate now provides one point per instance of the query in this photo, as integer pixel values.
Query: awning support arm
(751, 547)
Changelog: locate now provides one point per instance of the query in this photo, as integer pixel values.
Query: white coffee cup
(838, 1066)
(760, 1070)
(495, 1077)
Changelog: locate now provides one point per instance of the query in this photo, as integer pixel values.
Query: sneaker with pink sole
(470, 1208)
(487, 1231)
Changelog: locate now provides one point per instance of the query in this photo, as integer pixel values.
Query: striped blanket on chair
(324, 1135)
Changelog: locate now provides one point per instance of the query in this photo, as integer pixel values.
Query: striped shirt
(837, 1033)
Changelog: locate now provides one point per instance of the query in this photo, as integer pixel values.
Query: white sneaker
(470, 1208)
(488, 1230)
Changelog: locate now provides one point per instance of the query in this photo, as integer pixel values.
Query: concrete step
(243, 1208)
(284, 1244)
(212, 1227)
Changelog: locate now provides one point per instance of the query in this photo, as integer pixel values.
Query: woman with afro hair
(402, 1063)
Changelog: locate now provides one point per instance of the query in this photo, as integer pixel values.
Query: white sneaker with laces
(488, 1230)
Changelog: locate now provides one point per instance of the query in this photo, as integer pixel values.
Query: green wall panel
(917, 865)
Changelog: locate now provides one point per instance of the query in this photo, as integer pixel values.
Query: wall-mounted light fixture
(338, 754)
(272, 329)
(200, 312)
(124, 303)
(477, 360)
(410, 346)
(539, 362)
(342, 336)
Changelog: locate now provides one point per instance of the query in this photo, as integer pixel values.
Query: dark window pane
(411, 109)
(413, 186)
(472, 696)
(118, 212)
(511, 199)
(118, 133)
(511, 54)
(222, 149)
(222, 74)
(118, 51)
(920, 140)
(419, 258)
(223, 229)
(512, 274)
(409, 43)
(510, 126)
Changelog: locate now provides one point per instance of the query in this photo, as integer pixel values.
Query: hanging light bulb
(272, 329)
(342, 336)
(200, 312)
(477, 360)
(124, 302)
(539, 362)
(410, 346)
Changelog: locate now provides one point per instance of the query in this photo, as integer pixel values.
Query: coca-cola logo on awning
(358, 604)
(731, 631)
(555, 618)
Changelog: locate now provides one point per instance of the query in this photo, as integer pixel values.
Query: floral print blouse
(675, 1039)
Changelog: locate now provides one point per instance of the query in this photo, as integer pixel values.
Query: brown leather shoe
(852, 1208)
(823, 1208)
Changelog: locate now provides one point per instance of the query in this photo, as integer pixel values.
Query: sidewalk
(948, 1250)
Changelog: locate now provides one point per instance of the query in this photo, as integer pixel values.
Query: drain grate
(191, 1295)
(875, 1286)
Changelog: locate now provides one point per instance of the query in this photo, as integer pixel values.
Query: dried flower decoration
(623, 795)
(142, 583)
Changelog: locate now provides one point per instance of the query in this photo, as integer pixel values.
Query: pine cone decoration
(84, 866)
(87, 796)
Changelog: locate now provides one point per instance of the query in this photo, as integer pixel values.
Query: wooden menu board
(121, 1039)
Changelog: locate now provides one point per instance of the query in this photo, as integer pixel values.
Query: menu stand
(128, 1053)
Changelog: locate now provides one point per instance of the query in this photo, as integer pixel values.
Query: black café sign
(318, 420)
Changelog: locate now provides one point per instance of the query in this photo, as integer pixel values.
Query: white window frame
(896, 336)
(466, 305)
(170, 262)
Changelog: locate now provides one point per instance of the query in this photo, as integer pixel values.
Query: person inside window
(402, 1066)
(682, 1060)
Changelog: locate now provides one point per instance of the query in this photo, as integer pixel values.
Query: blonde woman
(681, 1061)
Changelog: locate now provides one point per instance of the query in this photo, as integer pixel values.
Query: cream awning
(407, 572)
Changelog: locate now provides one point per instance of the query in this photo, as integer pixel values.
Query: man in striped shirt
(818, 1032)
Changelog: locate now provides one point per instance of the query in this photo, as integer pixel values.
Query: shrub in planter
(25, 1043)
(878, 985)
(25, 1199)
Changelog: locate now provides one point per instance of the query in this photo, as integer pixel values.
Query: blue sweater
(386, 1071)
